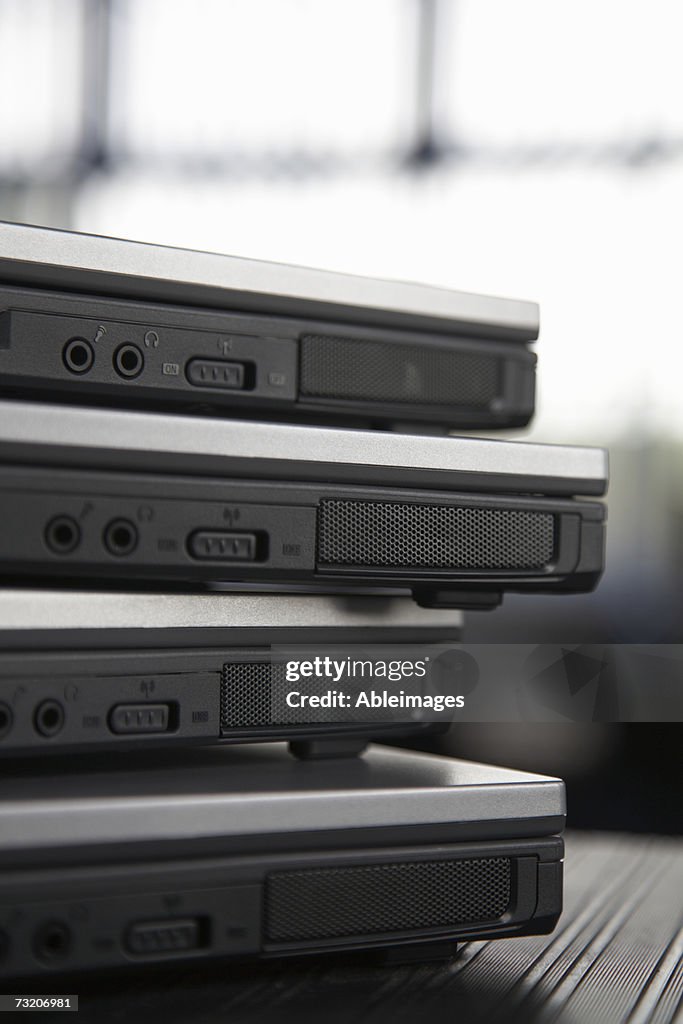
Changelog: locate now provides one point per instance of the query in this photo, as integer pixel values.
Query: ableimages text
(374, 699)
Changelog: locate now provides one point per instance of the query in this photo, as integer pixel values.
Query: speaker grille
(329, 903)
(406, 536)
(246, 693)
(253, 695)
(376, 371)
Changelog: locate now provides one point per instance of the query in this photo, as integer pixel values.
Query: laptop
(101, 320)
(107, 671)
(110, 494)
(246, 853)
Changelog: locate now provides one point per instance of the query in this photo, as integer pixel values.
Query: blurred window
(41, 86)
(533, 73)
(215, 79)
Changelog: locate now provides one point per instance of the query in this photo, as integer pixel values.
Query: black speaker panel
(373, 371)
(332, 903)
(395, 535)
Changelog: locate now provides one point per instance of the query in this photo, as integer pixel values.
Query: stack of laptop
(214, 470)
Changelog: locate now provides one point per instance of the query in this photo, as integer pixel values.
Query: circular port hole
(128, 361)
(52, 941)
(49, 718)
(6, 719)
(120, 537)
(78, 355)
(62, 535)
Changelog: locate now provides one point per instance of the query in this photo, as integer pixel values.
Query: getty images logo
(334, 670)
(411, 685)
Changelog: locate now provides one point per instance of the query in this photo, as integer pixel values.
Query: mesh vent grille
(253, 695)
(246, 693)
(376, 371)
(337, 902)
(405, 536)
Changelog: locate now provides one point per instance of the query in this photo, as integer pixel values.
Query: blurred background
(533, 150)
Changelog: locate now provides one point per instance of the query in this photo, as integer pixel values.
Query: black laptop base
(104, 351)
(251, 905)
(56, 702)
(246, 853)
(140, 526)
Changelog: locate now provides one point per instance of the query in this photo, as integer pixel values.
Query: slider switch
(222, 546)
(216, 373)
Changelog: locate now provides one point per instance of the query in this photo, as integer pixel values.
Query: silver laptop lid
(252, 450)
(262, 790)
(48, 610)
(52, 259)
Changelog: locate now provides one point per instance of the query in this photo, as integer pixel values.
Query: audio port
(49, 718)
(128, 361)
(6, 719)
(120, 537)
(78, 355)
(52, 942)
(62, 535)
